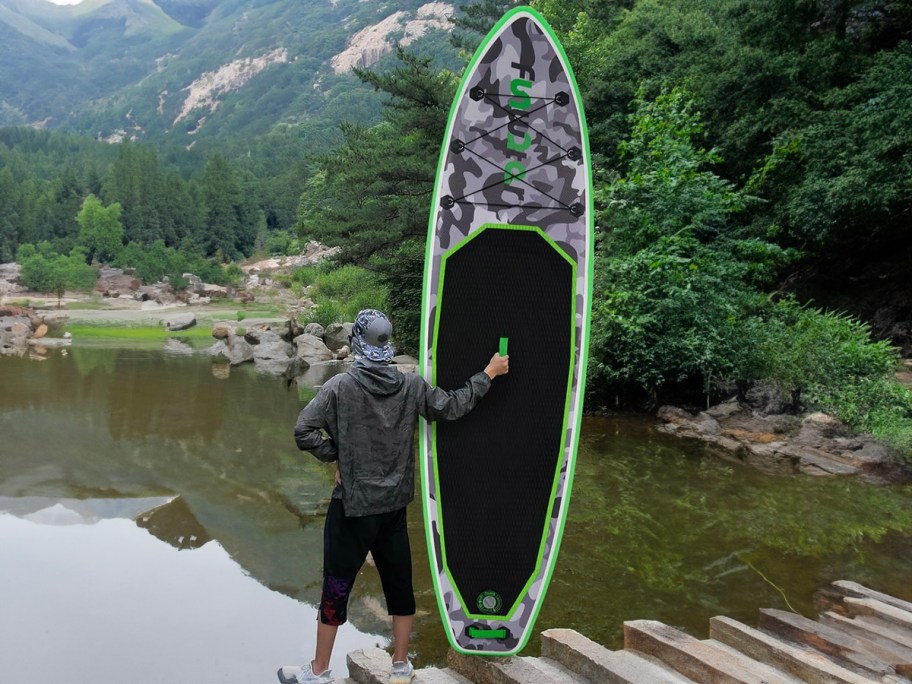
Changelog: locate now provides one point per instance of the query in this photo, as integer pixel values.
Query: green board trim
(567, 406)
(427, 429)
(476, 633)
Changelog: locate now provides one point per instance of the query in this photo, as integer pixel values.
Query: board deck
(509, 266)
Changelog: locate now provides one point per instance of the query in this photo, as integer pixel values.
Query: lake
(157, 524)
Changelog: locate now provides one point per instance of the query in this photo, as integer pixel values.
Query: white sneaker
(303, 674)
(401, 673)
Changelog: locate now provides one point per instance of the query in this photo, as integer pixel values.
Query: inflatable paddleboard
(509, 268)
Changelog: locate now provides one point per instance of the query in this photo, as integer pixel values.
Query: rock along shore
(812, 443)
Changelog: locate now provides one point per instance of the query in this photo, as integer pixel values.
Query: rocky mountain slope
(192, 69)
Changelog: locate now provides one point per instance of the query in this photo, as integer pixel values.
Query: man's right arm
(440, 404)
(309, 428)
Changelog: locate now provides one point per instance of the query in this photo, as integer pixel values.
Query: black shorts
(346, 542)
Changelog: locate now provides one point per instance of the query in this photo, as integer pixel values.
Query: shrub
(829, 362)
(44, 270)
(340, 293)
(325, 313)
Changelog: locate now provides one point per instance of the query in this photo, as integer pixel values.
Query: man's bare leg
(326, 638)
(402, 633)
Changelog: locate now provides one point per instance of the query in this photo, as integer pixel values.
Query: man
(369, 414)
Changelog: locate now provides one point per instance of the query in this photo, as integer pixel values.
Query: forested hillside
(753, 166)
(742, 148)
(187, 71)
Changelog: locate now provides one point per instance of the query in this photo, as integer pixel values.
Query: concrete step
(372, 666)
(513, 670)
(584, 656)
(701, 661)
(826, 639)
(806, 664)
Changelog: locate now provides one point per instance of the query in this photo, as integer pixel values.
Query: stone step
(701, 661)
(876, 640)
(372, 666)
(826, 639)
(806, 664)
(512, 670)
(584, 656)
(433, 675)
(369, 665)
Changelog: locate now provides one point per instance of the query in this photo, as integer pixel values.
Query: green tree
(475, 20)
(61, 202)
(675, 279)
(135, 183)
(372, 196)
(100, 230)
(9, 216)
(824, 83)
(221, 196)
(44, 270)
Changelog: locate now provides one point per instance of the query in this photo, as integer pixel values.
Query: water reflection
(90, 596)
(174, 523)
(190, 504)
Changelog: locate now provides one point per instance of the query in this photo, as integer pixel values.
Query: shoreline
(810, 443)
(103, 313)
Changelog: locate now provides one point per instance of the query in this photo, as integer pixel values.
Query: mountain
(187, 71)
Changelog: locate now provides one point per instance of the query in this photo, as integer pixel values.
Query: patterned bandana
(372, 336)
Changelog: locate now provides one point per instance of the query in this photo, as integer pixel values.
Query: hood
(375, 377)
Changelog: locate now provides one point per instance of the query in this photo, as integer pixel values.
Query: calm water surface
(158, 525)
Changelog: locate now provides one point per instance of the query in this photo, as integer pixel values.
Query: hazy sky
(66, 2)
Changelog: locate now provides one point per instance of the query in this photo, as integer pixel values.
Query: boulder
(115, 284)
(51, 342)
(405, 363)
(768, 399)
(211, 290)
(234, 349)
(315, 329)
(311, 348)
(222, 331)
(291, 330)
(181, 322)
(194, 283)
(255, 333)
(271, 347)
(274, 356)
(817, 444)
(177, 348)
(337, 335)
(15, 332)
(9, 272)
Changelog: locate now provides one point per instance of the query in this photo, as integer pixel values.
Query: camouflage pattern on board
(515, 154)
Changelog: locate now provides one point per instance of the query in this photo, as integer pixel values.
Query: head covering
(372, 336)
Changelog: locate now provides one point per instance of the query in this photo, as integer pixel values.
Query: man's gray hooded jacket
(370, 414)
